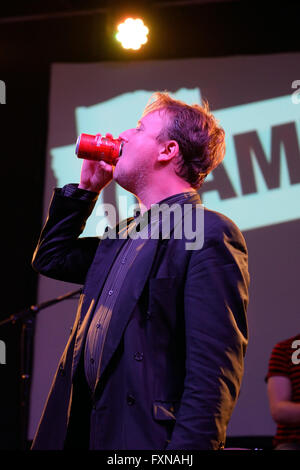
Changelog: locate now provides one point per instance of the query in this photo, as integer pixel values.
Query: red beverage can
(97, 147)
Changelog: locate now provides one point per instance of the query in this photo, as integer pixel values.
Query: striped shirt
(285, 361)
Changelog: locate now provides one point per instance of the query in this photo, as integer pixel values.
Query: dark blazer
(173, 358)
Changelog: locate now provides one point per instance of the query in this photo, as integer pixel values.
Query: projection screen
(257, 101)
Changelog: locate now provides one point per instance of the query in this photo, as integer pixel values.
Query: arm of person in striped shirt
(283, 410)
(283, 385)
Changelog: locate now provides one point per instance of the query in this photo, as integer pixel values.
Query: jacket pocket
(165, 410)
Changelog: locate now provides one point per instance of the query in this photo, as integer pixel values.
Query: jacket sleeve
(215, 299)
(60, 253)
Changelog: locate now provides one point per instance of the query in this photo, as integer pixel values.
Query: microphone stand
(27, 318)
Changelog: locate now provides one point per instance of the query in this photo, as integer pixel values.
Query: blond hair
(200, 138)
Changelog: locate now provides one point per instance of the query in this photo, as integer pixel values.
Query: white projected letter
(295, 98)
(2, 353)
(2, 92)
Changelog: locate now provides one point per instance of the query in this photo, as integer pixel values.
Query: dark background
(33, 35)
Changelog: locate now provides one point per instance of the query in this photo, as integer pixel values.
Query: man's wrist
(74, 191)
(88, 188)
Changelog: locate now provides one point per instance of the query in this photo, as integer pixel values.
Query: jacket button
(130, 400)
(138, 356)
(148, 315)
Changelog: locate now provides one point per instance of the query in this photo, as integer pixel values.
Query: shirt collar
(188, 197)
(180, 198)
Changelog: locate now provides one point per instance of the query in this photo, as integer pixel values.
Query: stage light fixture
(132, 33)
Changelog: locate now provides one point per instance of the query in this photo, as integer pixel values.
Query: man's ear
(168, 151)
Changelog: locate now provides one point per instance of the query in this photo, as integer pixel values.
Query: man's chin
(124, 182)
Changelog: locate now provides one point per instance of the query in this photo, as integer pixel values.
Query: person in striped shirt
(283, 386)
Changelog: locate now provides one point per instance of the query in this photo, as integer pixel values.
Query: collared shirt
(138, 233)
